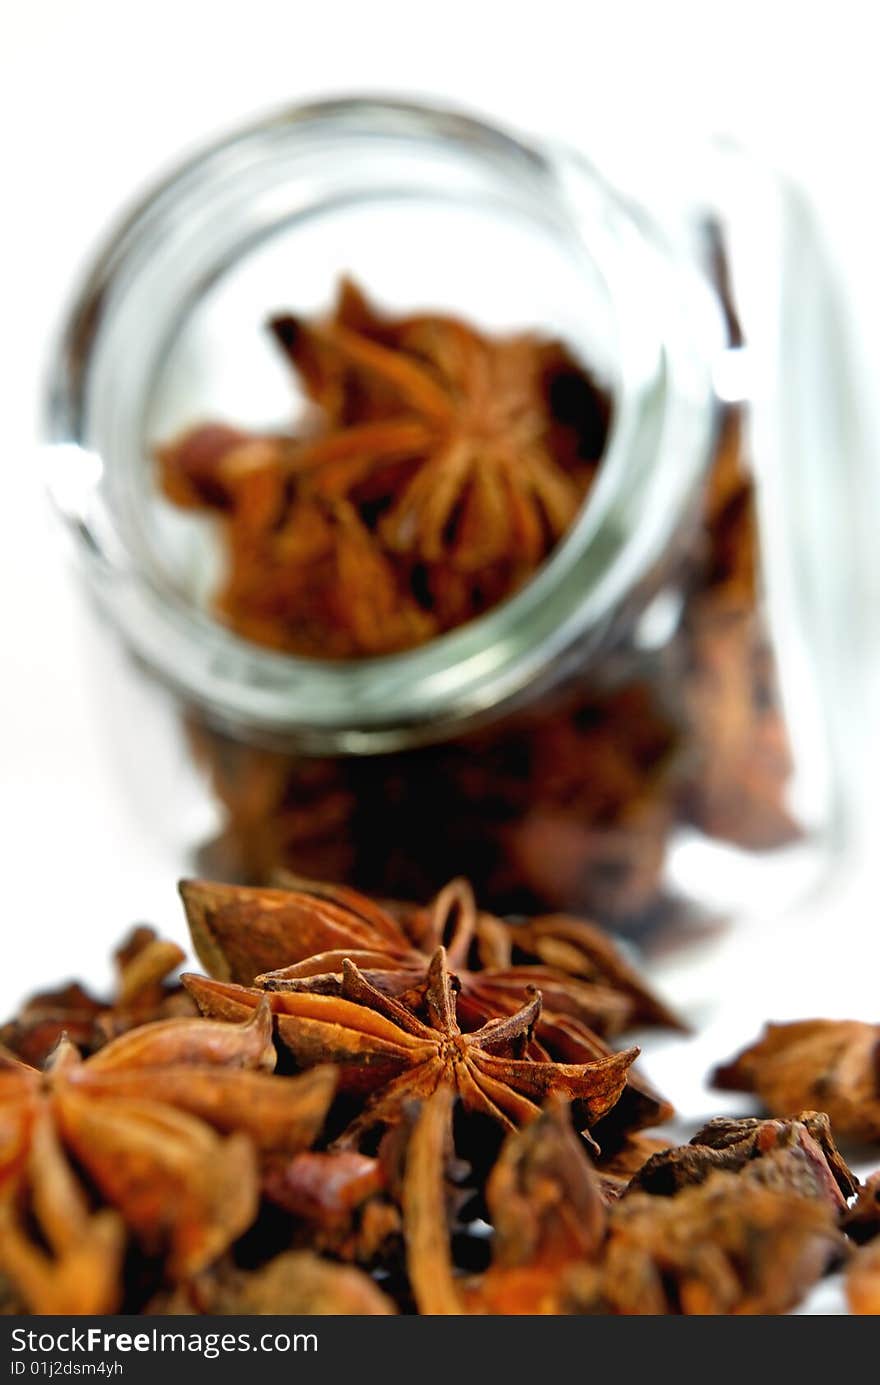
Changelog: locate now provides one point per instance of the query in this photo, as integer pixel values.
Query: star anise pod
(590, 982)
(441, 468)
(77, 1267)
(166, 1123)
(238, 930)
(242, 933)
(143, 992)
(798, 1155)
(390, 1055)
(488, 482)
(828, 1065)
(303, 571)
(725, 1246)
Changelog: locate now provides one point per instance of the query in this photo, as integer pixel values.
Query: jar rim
(658, 446)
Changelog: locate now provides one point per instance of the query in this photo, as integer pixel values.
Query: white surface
(98, 97)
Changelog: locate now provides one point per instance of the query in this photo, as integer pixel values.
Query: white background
(98, 96)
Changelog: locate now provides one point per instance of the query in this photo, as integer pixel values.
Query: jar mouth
(153, 274)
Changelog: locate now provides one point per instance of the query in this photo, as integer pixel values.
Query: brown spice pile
(384, 1108)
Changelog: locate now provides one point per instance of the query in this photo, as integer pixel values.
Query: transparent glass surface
(620, 738)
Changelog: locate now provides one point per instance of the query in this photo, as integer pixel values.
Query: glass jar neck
(666, 333)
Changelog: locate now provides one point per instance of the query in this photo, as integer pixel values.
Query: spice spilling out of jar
(378, 1109)
(436, 470)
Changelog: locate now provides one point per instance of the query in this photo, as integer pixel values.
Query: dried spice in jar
(440, 468)
(435, 472)
(466, 570)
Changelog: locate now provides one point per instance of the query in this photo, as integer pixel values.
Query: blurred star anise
(828, 1065)
(727, 1245)
(487, 483)
(166, 1124)
(439, 469)
(143, 992)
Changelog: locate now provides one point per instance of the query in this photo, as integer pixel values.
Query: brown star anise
(725, 1246)
(166, 1123)
(245, 933)
(241, 933)
(799, 1155)
(830, 1065)
(142, 993)
(238, 931)
(487, 445)
(78, 1269)
(442, 467)
(391, 1055)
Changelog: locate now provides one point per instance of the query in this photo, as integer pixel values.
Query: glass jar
(643, 732)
